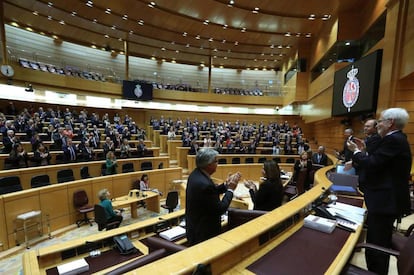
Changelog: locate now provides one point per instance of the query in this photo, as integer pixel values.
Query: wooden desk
(151, 199)
(172, 146)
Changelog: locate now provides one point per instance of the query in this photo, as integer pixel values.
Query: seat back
(290, 160)
(222, 161)
(128, 167)
(10, 184)
(238, 217)
(65, 175)
(235, 160)
(146, 165)
(100, 217)
(80, 198)
(161, 165)
(300, 182)
(405, 263)
(103, 169)
(172, 199)
(249, 160)
(84, 172)
(261, 160)
(40, 180)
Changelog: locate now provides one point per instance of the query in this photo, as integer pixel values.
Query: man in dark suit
(346, 154)
(70, 151)
(320, 157)
(203, 205)
(386, 192)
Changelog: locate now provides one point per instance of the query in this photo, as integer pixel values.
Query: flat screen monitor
(356, 86)
(136, 90)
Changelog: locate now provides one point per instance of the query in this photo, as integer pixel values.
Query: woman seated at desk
(111, 214)
(270, 193)
(18, 156)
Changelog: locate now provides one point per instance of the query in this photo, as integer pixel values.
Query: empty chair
(40, 180)
(128, 167)
(171, 201)
(8, 164)
(100, 219)
(65, 175)
(277, 160)
(84, 172)
(235, 160)
(261, 160)
(249, 160)
(60, 159)
(161, 165)
(290, 160)
(10, 184)
(146, 165)
(103, 169)
(81, 203)
(296, 188)
(222, 161)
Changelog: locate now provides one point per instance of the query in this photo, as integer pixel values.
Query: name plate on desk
(74, 267)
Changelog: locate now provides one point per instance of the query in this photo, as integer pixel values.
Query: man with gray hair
(203, 205)
(386, 190)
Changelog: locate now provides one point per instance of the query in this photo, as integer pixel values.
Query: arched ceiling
(233, 34)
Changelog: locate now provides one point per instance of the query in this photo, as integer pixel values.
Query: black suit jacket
(203, 207)
(387, 174)
(268, 197)
(322, 161)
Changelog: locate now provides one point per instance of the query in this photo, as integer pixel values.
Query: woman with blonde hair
(111, 214)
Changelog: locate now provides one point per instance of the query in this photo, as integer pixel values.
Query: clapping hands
(233, 180)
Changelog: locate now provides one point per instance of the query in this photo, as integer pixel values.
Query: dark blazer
(372, 142)
(268, 197)
(67, 153)
(388, 171)
(322, 161)
(203, 207)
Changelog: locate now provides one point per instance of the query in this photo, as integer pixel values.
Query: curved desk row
(95, 169)
(56, 201)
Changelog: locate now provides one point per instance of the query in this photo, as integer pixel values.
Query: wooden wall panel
(407, 64)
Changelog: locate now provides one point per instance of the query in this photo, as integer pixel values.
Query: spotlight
(29, 88)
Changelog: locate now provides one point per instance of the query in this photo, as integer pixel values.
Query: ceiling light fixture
(151, 5)
(89, 4)
(225, 26)
(125, 17)
(287, 34)
(74, 13)
(255, 10)
(108, 11)
(35, 13)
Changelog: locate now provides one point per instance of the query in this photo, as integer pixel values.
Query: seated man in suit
(320, 157)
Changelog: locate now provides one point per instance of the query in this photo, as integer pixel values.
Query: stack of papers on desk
(348, 216)
(173, 234)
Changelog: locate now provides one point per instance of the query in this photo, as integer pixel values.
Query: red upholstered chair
(81, 203)
(405, 256)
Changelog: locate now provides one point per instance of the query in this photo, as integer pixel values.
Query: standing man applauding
(203, 205)
(386, 189)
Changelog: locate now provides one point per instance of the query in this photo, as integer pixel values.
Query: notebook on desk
(173, 234)
(344, 189)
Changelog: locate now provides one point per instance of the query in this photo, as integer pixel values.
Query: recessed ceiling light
(125, 17)
(255, 10)
(312, 17)
(198, 36)
(206, 22)
(113, 27)
(74, 13)
(151, 5)
(225, 26)
(50, 4)
(89, 4)
(62, 22)
(108, 11)
(49, 17)
(326, 17)
(287, 34)
(243, 30)
(347, 43)
(184, 34)
(106, 36)
(35, 13)
(210, 39)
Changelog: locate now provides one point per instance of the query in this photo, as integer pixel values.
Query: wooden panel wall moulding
(407, 64)
(216, 99)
